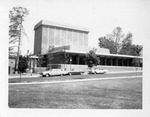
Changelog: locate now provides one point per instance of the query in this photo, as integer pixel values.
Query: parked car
(53, 72)
(75, 72)
(98, 71)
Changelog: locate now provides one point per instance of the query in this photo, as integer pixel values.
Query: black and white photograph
(75, 57)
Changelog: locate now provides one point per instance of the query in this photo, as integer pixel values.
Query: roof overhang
(33, 57)
(98, 54)
(119, 55)
(104, 54)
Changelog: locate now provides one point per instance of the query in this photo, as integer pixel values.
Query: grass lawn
(103, 94)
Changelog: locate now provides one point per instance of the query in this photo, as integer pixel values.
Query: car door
(55, 72)
(59, 72)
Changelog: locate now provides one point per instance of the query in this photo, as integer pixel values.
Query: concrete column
(105, 61)
(122, 62)
(111, 60)
(127, 62)
(35, 63)
(117, 61)
(70, 61)
(78, 59)
(84, 62)
(31, 63)
(100, 60)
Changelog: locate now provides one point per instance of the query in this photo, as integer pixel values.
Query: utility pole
(19, 43)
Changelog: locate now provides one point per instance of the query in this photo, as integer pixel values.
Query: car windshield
(55, 69)
(95, 68)
(48, 70)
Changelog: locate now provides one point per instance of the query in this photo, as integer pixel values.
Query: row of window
(58, 36)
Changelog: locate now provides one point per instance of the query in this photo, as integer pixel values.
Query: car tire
(47, 75)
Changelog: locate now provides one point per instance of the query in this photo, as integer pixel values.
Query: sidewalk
(26, 75)
(113, 72)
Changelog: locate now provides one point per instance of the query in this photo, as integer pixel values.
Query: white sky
(100, 16)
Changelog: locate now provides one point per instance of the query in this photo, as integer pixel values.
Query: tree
(112, 41)
(137, 62)
(118, 43)
(16, 16)
(136, 50)
(117, 35)
(46, 59)
(128, 39)
(91, 58)
(126, 48)
(106, 43)
(23, 64)
(42, 61)
(66, 58)
(49, 56)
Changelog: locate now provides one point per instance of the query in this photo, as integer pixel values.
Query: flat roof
(53, 24)
(104, 54)
(119, 55)
(61, 49)
(33, 56)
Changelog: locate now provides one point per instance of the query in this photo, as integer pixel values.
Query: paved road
(73, 77)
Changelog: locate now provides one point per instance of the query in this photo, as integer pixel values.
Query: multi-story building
(72, 41)
(49, 34)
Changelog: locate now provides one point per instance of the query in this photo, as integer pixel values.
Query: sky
(99, 16)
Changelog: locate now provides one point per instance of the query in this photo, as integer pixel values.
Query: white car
(53, 72)
(98, 71)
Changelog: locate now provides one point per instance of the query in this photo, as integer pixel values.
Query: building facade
(73, 42)
(48, 34)
(11, 67)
